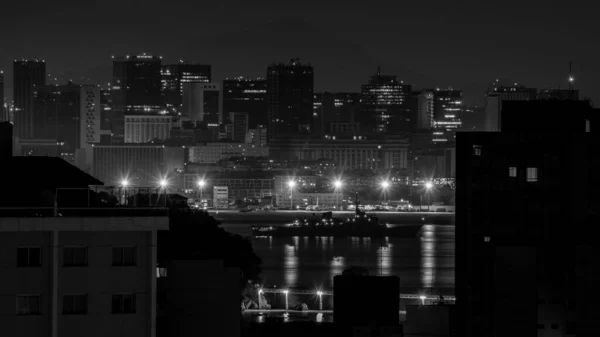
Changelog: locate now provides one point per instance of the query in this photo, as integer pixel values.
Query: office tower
(335, 107)
(27, 74)
(173, 76)
(240, 126)
(290, 98)
(425, 109)
(499, 94)
(447, 107)
(136, 89)
(384, 107)
(558, 94)
(245, 95)
(143, 129)
(257, 136)
(526, 211)
(201, 102)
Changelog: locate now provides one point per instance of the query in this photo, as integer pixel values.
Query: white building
(144, 128)
(211, 153)
(221, 196)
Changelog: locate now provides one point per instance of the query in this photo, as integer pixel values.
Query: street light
(320, 294)
(291, 184)
(428, 187)
(163, 186)
(423, 298)
(338, 185)
(124, 184)
(286, 298)
(385, 185)
(201, 184)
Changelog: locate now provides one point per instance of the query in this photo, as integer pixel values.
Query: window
(124, 256)
(486, 239)
(554, 326)
(512, 172)
(75, 256)
(540, 326)
(532, 174)
(28, 305)
(29, 257)
(75, 304)
(477, 150)
(123, 304)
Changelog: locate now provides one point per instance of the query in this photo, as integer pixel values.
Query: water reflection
(428, 254)
(385, 261)
(291, 263)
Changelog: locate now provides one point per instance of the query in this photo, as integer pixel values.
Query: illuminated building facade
(447, 108)
(173, 76)
(384, 104)
(136, 89)
(201, 102)
(245, 95)
(27, 74)
(144, 128)
(290, 98)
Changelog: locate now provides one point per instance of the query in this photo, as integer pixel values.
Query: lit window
(486, 239)
(532, 174)
(512, 172)
(28, 305)
(75, 304)
(477, 150)
(123, 304)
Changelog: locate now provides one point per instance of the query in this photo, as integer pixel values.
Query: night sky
(427, 43)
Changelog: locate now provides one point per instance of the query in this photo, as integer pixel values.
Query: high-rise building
(499, 94)
(335, 107)
(240, 126)
(257, 136)
(173, 76)
(136, 89)
(201, 102)
(245, 95)
(27, 74)
(425, 110)
(526, 212)
(447, 107)
(290, 98)
(384, 104)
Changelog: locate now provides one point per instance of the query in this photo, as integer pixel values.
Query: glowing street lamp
(385, 185)
(428, 185)
(291, 184)
(201, 184)
(338, 184)
(422, 298)
(286, 298)
(428, 188)
(320, 294)
(124, 183)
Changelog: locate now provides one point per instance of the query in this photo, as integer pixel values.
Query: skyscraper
(136, 89)
(245, 95)
(3, 116)
(240, 126)
(201, 102)
(27, 74)
(425, 109)
(384, 104)
(447, 107)
(335, 107)
(290, 98)
(500, 93)
(173, 76)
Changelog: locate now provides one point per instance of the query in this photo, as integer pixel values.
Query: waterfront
(424, 263)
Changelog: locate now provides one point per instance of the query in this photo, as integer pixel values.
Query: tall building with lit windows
(248, 96)
(27, 74)
(384, 106)
(173, 77)
(290, 98)
(136, 89)
(447, 107)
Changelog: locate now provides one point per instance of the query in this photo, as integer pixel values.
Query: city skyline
(438, 45)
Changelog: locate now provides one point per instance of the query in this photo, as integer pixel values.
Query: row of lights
(338, 184)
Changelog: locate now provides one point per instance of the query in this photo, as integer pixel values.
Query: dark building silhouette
(290, 98)
(3, 111)
(173, 76)
(136, 89)
(334, 107)
(245, 95)
(27, 74)
(6, 140)
(384, 106)
(526, 208)
(558, 94)
(240, 126)
(499, 94)
(56, 111)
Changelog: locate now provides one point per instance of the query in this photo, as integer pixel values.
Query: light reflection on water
(426, 260)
